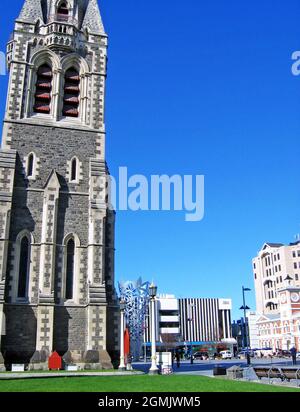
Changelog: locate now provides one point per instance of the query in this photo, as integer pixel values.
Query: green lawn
(145, 383)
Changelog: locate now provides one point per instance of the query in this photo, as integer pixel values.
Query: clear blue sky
(202, 87)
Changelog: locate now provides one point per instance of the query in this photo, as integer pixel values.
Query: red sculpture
(55, 361)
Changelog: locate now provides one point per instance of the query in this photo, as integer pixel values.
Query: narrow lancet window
(74, 170)
(30, 165)
(70, 269)
(24, 267)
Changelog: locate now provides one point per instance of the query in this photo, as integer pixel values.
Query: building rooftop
(270, 244)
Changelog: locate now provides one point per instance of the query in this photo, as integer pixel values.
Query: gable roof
(268, 318)
(53, 180)
(269, 244)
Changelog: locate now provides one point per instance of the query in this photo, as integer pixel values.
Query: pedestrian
(178, 359)
(294, 355)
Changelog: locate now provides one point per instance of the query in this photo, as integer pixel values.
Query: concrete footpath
(46, 375)
(206, 368)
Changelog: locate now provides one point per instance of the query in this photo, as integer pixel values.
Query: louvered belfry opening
(63, 12)
(71, 93)
(43, 89)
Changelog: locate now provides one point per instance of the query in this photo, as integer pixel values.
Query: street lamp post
(146, 328)
(122, 366)
(190, 319)
(244, 308)
(154, 369)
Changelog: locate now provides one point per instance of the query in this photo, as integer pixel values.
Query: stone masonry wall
(70, 328)
(21, 322)
(54, 147)
(73, 217)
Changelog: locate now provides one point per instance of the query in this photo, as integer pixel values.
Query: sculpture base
(153, 372)
(2, 366)
(100, 357)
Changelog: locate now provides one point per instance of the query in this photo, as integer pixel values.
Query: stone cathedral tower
(57, 232)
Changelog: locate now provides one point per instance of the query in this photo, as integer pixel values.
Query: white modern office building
(205, 320)
(253, 318)
(196, 320)
(168, 315)
(167, 319)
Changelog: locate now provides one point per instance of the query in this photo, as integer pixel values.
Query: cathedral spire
(92, 19)
(32, 11)
(86, 12)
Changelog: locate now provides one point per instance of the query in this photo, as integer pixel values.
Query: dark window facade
(43, 90)
(70, 269)
(169, 324)
(169, 313)
(71, 93)
(24, 268)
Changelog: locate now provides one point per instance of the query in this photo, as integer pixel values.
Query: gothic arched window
(30, 165)
(71, 93)
(63, 11)
(70, 269)
(24, 268)
(43, 89)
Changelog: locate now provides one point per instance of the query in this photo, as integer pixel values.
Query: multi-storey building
(277, 286)
(282, 330)
(246, 333)
(271, 267)
(205, 320)
(168, 315)
(253, 335)
(197, 321)
(167, 319)
(57, 231)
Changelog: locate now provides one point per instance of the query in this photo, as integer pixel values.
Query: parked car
(298, 355)
(200, 355)
(283, 354)
(243, 353)
(226, 354)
